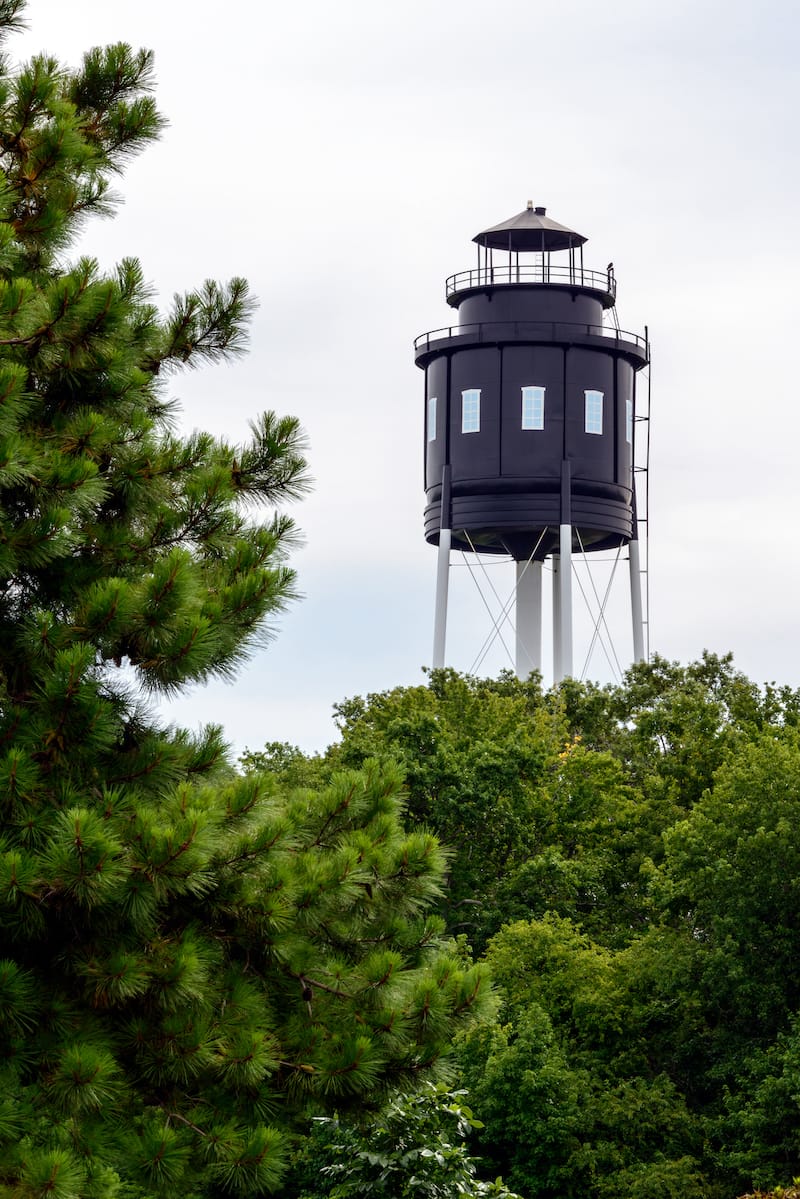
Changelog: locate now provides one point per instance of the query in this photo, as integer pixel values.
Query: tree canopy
(625, 861)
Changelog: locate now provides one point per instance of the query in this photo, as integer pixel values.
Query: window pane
(594, 411)
(533, 407)
(471, 410)
(431, 418)
(629, 421)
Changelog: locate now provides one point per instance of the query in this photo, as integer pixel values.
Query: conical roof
(529, 230)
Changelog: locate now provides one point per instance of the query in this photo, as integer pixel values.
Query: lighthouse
(530, 412)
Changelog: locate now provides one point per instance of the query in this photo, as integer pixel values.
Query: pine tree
(189, 960)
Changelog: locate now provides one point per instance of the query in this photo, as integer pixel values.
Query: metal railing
(547, 331)
(539, 273)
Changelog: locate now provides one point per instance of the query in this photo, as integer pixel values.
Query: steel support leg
(634, 562)
(528, 618)
(556, 618)
(565, 602)
(442, 582)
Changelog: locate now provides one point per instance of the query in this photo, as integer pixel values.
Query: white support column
(528, 618)
(556, 618)
(442, 582)
(565, 601)
(634, 562)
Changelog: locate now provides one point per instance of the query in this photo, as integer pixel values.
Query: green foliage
(414, 1148)
(525, 788)
(791, 1192)
(288, 765)
(180, 1041)
(626, 857)
(488, 767)
(672, 1057)
(561, 1083)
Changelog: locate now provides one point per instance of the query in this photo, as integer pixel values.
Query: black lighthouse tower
(530, 412)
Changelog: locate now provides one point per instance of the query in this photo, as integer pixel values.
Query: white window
(431, 418)
(533, 407)
(629, 421)
(471, 410)
(594, 411)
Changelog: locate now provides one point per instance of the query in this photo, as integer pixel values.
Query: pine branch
(208, 325)
(11, 20)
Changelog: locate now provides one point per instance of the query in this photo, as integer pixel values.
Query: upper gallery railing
(536, 272)
(493, 331)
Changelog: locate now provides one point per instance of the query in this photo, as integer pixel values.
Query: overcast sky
(342, 156)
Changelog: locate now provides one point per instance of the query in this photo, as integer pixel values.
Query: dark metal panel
(532, 452)
(591, 454)
(446, 504)
(435, 451)
(565, 510)
(529, 303)
(475, 455)
(624, 447)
